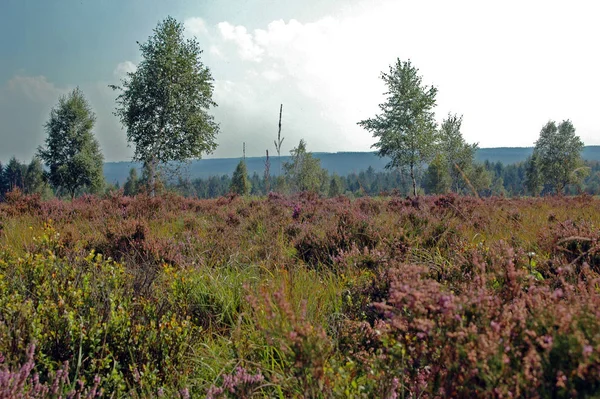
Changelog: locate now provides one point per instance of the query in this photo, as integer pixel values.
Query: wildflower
(395, 384)
(561, 380)
(558, 293)
(495, 326)
(297, 210)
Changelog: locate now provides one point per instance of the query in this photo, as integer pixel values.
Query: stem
(414, 181)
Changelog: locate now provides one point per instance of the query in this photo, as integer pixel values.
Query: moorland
(299, 296)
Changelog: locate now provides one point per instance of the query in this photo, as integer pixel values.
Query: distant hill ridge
(342, 163)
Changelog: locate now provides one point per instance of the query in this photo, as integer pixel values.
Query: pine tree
(437, 180)
(239, 182)
(131, 186)
(34, 178)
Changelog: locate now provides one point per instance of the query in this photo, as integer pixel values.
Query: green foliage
(152, 180)
(406, 126)
(437, 178)
(301, 296)
(533, 179)
(239, 182)
(35, 182)
(304, 172)
(164, 104)
(459, 156)
(132, 184)
(72, 153)
(479, 179)
(336, 186)
(13, 176)
(3, 182)
(558, 155)
(497, 187)
(83, 311)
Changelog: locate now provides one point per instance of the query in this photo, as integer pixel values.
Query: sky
(508, 67)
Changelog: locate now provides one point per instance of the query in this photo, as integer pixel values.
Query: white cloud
(508, 67)
(123, 68)
(195, 26)
(247, 48)
(216, 51)
(272, 75)
(33, 88)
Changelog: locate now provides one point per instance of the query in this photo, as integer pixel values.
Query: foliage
(336, 186)
(164, 104)
(487, 179)
(14, 174)
(558, 155)
(301, 296)
(3, 182)
(132, 185)
(459, 156)
(406, 126)
(437, 178)
(239, 182)
(479, 179)
(29, 179)
(22, 384)
(303, 172)
(533, 179)
(34, 180)
(71, 152)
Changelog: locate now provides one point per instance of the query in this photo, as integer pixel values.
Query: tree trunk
(414, 181)
(152, 177)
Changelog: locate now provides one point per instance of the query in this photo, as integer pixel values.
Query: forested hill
(341, 163)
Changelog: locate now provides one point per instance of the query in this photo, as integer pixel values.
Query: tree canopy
(132, 183)
(304, 172)
(458, 155)
(72, 153)
(558, 155)
(14, 174)
(239, 182)
(406, 126)
(437, 177)
(165, 103)
(34, 182)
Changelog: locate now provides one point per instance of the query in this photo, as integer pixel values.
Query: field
(440, 296)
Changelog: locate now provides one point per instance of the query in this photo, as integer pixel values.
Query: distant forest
(506, 180)
(363, 173)
(340, 163)
(353, 174)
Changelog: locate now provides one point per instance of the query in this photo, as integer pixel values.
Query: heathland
(299, 296)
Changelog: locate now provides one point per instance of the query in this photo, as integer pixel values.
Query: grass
(303, 296)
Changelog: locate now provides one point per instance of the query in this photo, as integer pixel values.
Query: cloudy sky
(507, 66)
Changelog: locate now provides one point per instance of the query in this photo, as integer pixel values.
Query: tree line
(499, 179)
(408, 134)
(164, 106)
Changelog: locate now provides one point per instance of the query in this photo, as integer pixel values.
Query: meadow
(299, 296)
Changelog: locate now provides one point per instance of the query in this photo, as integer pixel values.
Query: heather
(299, 296)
